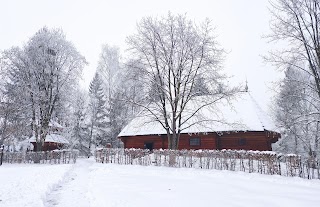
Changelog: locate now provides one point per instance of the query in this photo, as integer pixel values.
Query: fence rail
(263, 162)
(50, 157)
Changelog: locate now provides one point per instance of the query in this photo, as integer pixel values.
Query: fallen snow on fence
(263, 162)
(42, 157)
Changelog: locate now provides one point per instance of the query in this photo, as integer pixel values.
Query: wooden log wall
(251, 140)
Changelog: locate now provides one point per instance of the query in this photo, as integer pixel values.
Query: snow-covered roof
(52, 138)
(239, 114)
(55, 124)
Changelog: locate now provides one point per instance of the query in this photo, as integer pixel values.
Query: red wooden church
(235, 124)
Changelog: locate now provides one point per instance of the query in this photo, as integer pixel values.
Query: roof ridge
(259, 111)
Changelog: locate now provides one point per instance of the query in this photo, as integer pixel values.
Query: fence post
(1, 148)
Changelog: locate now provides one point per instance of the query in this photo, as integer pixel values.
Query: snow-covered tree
(109, 69)
(297, 113)
(40, 75)
(295, 25)
(7, 121)
(80, 132)
(134, 90)
(98, 113)
(117, 85)
(170, 55)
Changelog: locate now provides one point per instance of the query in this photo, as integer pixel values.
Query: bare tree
(296, 24)
(6, 126)
(108, 68)
(171, 55)
(295, 107)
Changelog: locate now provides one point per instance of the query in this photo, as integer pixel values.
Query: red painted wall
(207, 141)
(233, 140)
(48, 146)
(253, 141)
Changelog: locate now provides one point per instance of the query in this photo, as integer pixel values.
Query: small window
(242, 141)
(148, 145)
(194, 141)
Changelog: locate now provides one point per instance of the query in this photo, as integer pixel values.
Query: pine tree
(98, 113)
(80, 138)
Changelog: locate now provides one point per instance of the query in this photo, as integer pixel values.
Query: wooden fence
(50, 157)
(263, 162)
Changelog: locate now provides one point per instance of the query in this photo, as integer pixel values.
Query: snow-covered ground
(94, 184)
(28, 184)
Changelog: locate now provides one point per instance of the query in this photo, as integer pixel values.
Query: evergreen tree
(80, 138)
(98, 113)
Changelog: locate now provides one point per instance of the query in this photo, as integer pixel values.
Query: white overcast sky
(91, 23)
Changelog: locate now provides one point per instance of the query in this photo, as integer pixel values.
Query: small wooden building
(52, 142)
(238, 124)
(53, 139)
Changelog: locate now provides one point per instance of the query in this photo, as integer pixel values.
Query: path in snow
(73, 191)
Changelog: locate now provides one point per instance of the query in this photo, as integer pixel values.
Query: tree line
(171, 60)
(40, 87)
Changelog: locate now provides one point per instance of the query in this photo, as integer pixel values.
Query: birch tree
(111, 73)
(171, 54)
(109, 68)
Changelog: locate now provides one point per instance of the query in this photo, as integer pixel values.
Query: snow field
(28, 184)
(123, 185)
(88, 183)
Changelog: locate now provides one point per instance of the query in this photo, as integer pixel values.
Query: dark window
(242, 141)
(148, 146)
(194, 141)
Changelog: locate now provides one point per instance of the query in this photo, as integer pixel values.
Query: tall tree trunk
(34, 125)
(90, 140)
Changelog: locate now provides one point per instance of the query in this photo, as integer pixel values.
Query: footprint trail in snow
(73, 191)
